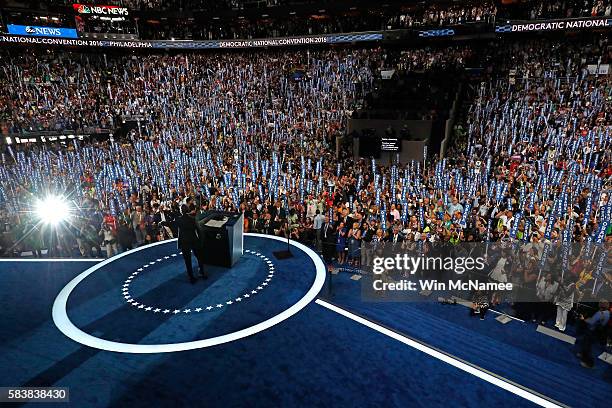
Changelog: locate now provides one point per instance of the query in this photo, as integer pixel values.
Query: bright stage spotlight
(52, 210)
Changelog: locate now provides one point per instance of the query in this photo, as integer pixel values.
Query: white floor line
(556, 334)
(540, 329)
(468, 368)
(606, 357)
(507, 315)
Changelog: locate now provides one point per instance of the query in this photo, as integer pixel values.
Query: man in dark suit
(188, 240)
(346, 218)
(395, 237)
(257, 223)
(267, 227)
(328, 240)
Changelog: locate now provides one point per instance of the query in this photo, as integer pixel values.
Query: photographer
(480, 304)
(589, 330)
(109, 240)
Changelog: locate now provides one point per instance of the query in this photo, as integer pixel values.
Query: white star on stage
(238, 299)
(187, 311)
(246, 295)
(173, 254)
(259, 288)
(166, 311)
(264, 284)
(148, 308)
(129, 280)
(229, 302)
(141, 307)
(198, 309)
(219, 305)
(158, 259)
(152, 262)
(145, 266)
(166, 257)
(156, 310)
(209, 308)
(268, 280)
(253, 291)
(135, 304)
(176, 311)
(139, 270)
(131, 301)
(125, 285)
(127, 296)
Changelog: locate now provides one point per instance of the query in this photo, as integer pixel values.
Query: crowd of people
(213, 103)
(444, 15)
(415, 16)
(528, 142)
(147, 5)
(440, 13)
(323, 23)
(426, 15)
(546, 9)
(529, 163)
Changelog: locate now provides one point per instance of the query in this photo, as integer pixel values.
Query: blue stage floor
(315, 358)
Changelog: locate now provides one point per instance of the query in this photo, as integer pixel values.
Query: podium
(222, 238)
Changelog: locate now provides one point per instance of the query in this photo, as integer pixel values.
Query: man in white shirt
(395, 213)
(454, 207)
(318, 221)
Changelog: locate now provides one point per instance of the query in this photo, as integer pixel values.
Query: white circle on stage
(65, 325)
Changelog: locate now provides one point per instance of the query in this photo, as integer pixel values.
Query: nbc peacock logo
(83, 9)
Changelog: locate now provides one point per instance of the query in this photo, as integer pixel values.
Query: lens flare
(52, 210)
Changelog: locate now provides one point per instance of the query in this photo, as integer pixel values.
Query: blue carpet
(97, 303)
(314, 359)
(515, 350)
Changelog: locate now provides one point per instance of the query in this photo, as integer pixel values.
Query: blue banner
(38, 31)
(23, 38)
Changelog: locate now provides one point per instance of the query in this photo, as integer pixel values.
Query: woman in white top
(564, 302)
